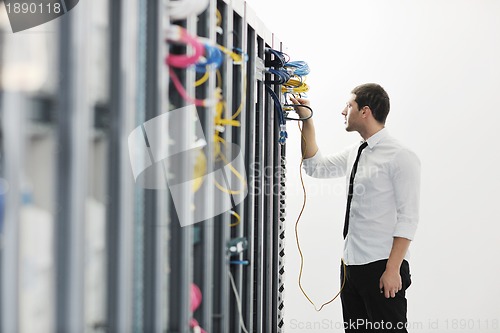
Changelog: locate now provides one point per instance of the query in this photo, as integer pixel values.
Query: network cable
(221, 121)
(295, 85)
(291, 76)
(280, 58)
(204, 58)
(282, 76)
(293, 106)
(178, 34)
(302, 260)
(283, 135)
(212, 60)
(300, 68)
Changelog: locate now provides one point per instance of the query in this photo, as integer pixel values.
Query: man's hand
(308, 143)
(390, 282)
(302, 112)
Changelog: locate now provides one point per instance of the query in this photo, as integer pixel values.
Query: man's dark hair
(375, 97)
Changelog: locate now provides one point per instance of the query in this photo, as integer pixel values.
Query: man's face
(351, 114)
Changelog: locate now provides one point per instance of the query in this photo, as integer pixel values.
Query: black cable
(280, 58)
(282, 76)
(300, 105)
(283, 135)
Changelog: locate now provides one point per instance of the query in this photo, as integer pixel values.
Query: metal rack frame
(152, 261)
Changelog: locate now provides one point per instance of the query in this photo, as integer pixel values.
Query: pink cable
(180, 89)
(196, 298)
(184, 61)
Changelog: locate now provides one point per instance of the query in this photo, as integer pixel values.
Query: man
(381, 215)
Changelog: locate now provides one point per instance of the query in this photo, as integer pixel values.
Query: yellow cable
(220, 155)
(221, 122)
(219, 79)
(203, 79)
(243, 95)
(294, 81)
(297, 236)
(225, 190)
(237, 58)
(200, 169)
(238, 219)
(295, 85)
(219, 18)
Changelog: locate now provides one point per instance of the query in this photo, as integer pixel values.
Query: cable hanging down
(302, 260)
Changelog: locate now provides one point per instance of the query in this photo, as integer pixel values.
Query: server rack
(258, 274)
(155, 253)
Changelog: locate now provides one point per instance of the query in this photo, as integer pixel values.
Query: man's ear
(365, 111)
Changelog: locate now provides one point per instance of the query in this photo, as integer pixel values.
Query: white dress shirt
(385, 201)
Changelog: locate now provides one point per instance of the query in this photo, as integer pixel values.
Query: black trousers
(364, 307)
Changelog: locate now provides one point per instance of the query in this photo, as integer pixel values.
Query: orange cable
(297, 235)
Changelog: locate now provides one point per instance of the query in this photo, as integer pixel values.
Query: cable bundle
(283, 135)
(278, 61)
(282, 76)
(280, 58)
(296, 84)
(299, 68)
(291, 76)
(212, 60)
(178, 34)
(205, 57)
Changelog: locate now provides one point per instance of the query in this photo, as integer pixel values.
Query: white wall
(439, 60)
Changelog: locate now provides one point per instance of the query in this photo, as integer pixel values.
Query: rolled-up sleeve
(406, 182)
(331, 166)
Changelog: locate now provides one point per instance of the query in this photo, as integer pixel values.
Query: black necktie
(351, 188)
